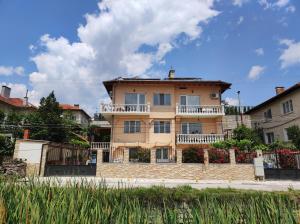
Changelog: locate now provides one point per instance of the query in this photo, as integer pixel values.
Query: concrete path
(112, 182)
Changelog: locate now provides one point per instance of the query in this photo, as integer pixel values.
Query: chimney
(25, 101)
(171, 74)
(26, 134)
(5, 91)
(76, 105)
(279, 89)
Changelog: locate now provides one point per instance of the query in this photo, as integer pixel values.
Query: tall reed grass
(33, 202)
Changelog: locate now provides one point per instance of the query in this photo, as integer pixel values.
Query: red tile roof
(15, 102)
(72, 107)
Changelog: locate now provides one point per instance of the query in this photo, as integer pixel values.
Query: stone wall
(179, 170)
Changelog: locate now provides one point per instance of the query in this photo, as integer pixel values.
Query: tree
(47, 123)
(2, 117)
(293, 133)
(6, 146)
(242, 133)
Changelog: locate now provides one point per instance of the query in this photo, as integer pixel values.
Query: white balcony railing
(125, 108)
(198, 110)
(198, 138)
(100, 145)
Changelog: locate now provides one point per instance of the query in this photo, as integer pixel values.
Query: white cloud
(240, 20)
(232, 101)
(111, 44)
(239, 2)
(259, 51)
(278, 4)
(291, 54)
(9, 70)
(255, 72)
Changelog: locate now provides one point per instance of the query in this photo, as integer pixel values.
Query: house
(8, 104)
(162, 114)
(76, 114)
(278, 113)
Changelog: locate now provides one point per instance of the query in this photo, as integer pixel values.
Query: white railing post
(198, 138)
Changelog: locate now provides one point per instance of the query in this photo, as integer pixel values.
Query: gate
(69, 160)
(282, 165)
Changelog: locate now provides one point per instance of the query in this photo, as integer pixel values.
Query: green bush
(80, 143)
(294, 134)
(281, 145)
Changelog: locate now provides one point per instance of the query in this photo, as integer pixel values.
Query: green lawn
(41, 203)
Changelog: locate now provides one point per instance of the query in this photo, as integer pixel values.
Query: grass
(33, 202)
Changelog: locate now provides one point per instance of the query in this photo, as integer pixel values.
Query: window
(162, 155)
(268, 115)
(287, 107)
(191, 128)
(162, 127)
(285, 134)
(134, 99)
(132, 126)
(270, 137)
(189, 100)
(162, 99)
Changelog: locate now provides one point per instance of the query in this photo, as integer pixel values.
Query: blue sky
(72, 48)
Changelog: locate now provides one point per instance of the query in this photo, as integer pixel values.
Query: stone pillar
(206, 157)
(259, 153)
(126, 155)
(152, 156)
(232, 156)
(43, 159)
(179, 156)
(99, 162)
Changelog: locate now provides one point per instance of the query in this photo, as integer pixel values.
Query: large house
(162, 114)
(9, 104)
(278, 113)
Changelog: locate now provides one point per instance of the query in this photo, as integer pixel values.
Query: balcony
(200, 110)
(124, 109)
(100, 145)
(198, 138)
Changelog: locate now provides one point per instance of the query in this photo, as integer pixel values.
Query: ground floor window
(139, 155)
(270, 137)
(162, 155)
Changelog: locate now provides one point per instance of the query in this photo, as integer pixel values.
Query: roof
(16, 102)
(224, 85)
(274, 98)
(69, 107)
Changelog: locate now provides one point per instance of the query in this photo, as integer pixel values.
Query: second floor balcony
(124, 109)
(200, 110)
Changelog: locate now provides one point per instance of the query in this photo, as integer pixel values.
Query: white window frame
(267, 139)
(162, 158)
(138, 98)
(133, 128)
(290, 107)
(266, 115)
(164, 131)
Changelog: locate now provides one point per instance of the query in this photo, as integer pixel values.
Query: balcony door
(191, 128)
(135, 101)
(189, 103)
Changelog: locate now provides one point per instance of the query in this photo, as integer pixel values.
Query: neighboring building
(163, 114)
(278, 113)
(101, 129)
(75, 113)
(8, 104)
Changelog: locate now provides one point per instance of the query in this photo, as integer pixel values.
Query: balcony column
(152, 156)
(179, 156)
(206, 157)
(232, 156)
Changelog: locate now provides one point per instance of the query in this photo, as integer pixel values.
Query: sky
(72, 46)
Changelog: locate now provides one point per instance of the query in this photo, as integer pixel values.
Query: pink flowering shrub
(218, 156)
(244, 157)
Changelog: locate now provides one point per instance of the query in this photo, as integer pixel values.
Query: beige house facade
(162, 114)
(278, 113)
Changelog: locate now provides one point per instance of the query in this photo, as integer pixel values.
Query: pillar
(232, 156)
(259, 153)
(126, 155)
(99, 162)
(43, 159)
(206, 157)
(179, 156)
(152, 156)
